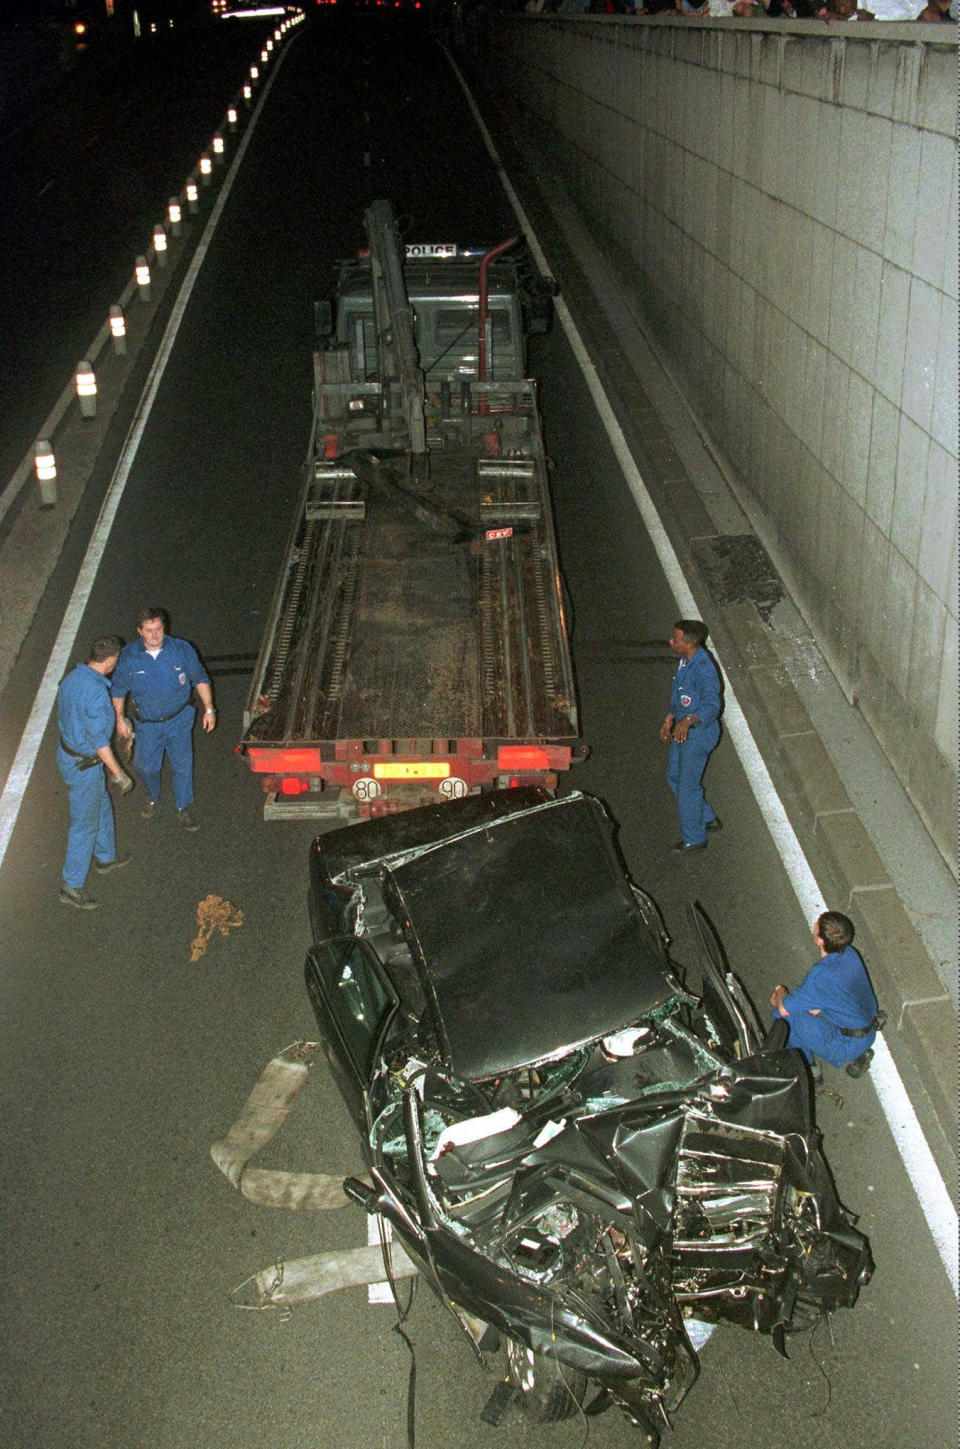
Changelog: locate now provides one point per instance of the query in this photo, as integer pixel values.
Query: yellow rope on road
(213, 914)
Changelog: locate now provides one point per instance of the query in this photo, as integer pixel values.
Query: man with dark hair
(833, 1012)
(85, 720)
(692, 729)
(160, 673)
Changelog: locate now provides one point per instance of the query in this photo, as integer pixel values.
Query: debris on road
(303, 1279)
(213, 914)
(267, 1108)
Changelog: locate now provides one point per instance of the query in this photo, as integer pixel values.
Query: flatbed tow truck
(416, 648)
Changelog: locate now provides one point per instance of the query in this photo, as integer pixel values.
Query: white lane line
(32, 738)
(935, 1201)
(379, 1292)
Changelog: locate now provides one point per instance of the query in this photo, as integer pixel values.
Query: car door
(351, 999)
(725, 998)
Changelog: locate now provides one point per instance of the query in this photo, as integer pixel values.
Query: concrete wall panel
(900, 187)
(814, 396)
(945, 728)
(920, 360)
(856, 450)
(863, 353)
(881, 478)
(818, 304)
(943, 424)
(926, 653)
(911, 477)
(872, 603)
(892, 331)
(951, 256)
(937, 154)
(937, 541)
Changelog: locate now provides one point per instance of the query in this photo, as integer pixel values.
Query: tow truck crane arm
(399, 357)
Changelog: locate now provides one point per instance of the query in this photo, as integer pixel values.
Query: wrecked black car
(579, 1152)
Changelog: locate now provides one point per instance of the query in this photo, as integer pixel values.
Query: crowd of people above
(938, 11)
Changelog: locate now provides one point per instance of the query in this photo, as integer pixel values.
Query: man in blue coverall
(160, 672)
(832, 1014)
(85, 720)
(692, 729)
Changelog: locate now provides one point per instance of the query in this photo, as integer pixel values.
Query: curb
(922, 1019)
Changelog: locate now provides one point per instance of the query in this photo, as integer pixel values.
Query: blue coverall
(696, 690)
(86, 722)
(839, 988)
(161, 692)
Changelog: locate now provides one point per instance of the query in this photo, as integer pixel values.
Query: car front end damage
(593, 1218)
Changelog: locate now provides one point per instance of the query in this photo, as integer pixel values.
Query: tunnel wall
(779, 204)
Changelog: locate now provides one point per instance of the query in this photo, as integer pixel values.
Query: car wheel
(548, 1390)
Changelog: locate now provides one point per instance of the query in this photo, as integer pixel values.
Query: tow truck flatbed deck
(398, 630)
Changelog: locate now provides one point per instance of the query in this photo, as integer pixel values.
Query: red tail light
(522, 757)
(293, 785)
(265, 761)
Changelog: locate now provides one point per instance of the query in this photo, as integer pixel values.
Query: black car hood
(530, 938)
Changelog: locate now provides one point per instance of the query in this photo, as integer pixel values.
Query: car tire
(547, 1390)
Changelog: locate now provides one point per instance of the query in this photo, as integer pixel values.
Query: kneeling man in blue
(832, 1013)
(692, 730)
(85, 720)
(160, 672)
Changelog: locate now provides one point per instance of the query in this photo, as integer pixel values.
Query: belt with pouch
(877, 1024)
(161, 719)
(84, 762)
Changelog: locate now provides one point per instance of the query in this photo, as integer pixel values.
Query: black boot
(860, 1065)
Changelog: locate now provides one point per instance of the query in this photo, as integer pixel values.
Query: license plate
(412, 771)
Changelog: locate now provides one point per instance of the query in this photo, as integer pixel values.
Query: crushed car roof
(531, 937)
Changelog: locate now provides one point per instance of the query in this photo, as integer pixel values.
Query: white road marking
(380, 1292)
(935, 1201)
(31, 740)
